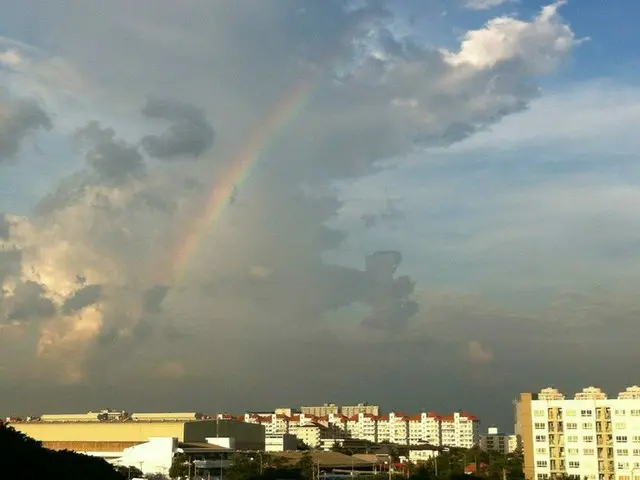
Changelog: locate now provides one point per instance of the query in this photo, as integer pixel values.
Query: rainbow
(238, 169)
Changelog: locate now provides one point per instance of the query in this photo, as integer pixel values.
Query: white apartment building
(363, 426)
(459, 430)
(424, 428)
(495, 441)
(589, 436)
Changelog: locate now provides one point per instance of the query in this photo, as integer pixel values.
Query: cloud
(82, 298)
(535, 46)
(28, 301)
(486, 4)
(19, 118)
(153, 298)
(477, 353)
(5, 226)
(130, 259)
(190, 135)
(111, 158)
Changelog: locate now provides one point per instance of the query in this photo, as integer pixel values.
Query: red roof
(471, 468)
(415, 418)
(470, 416)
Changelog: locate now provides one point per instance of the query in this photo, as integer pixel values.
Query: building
(460, 429)
(589, 436)
(145, 437)
(456, 430)
(280, 443)
(321, 410)
(351, 410)
(347, 410)
(312, 434)
(495, 441)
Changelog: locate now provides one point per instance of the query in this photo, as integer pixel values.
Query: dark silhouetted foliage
(26, 458)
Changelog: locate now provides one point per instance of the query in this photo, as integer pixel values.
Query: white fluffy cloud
(535, 46)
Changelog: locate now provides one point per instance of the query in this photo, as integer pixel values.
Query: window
(621, 412)
(572, 426)
(540, 426)
(542, 476)
(541, 451)
(572, 451)
(538, 413)
(623, 466)
(586, 413)
(621, 426)
(635, 413)
(623, 452)
(587, 426)
(589, 451)
(588, 439)
(574, 464)
(541, 438)
(636, 452)
(636, 439)
(572, 438)
(541, 463)
(621, 438)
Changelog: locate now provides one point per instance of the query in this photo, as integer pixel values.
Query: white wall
(154, 456)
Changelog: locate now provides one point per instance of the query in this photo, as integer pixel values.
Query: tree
(24, 457)
(179, 466)
(129, 472)
(242, 467)
(339, 448)
(303, 447)
(305, 466)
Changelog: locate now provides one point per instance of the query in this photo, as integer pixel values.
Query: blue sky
(523, 226)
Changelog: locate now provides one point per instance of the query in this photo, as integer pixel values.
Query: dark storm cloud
(18, 119)
(388, 296)
(153, 298)
(29, 303)
(112, 159)
(5, 227)
(189, 136)
(82, 298)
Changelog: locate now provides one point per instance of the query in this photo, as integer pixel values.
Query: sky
(225, 206)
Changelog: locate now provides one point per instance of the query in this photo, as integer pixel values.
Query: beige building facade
(116, 435)
(589, 436)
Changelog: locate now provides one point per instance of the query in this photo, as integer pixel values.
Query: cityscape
(586, 436)
(319, 239)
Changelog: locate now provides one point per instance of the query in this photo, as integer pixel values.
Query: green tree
(129, 472)
(303, 447)
(242, 467)
(179, 466)
(305, 466)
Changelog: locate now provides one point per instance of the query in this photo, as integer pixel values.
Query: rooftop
(589, 393)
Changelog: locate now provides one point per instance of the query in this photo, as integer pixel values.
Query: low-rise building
(144, 437)
(499, 442)
(280, 443)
